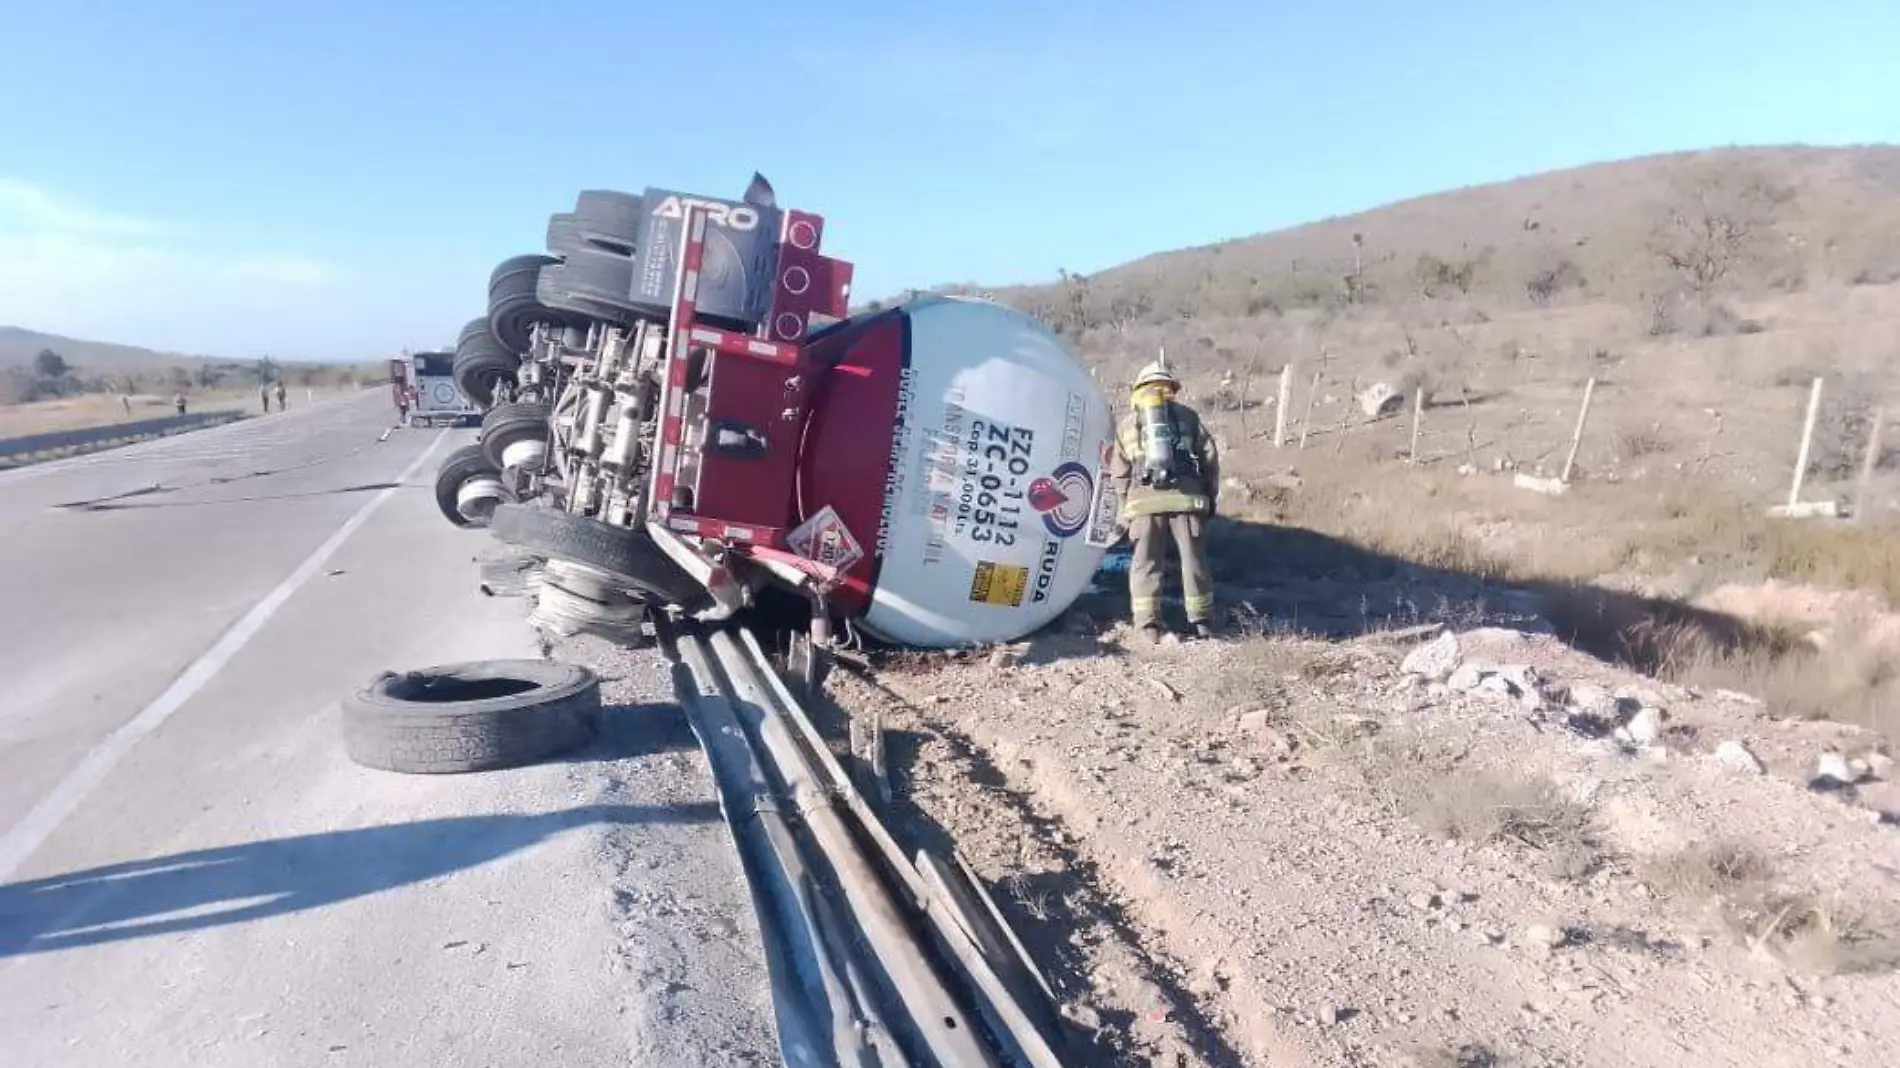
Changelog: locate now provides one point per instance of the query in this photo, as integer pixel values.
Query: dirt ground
(1392, 819)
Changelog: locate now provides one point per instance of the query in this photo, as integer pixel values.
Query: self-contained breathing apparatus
(1164, 458)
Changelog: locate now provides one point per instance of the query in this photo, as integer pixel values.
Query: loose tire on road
(507, 424)
(512, 307)
(627, 554)
(481, 362)
(474, 716)
(458, 467)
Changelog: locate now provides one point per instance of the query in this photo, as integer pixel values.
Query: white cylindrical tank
(999, 513)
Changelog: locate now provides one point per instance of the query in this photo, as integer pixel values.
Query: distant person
(281, 404)
(1166, 467)
(263, 397)
(125, 401)
(178, 401)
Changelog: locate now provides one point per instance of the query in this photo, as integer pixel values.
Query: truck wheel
(481, 362)
(511, 424)
(627, 554)
(473, 716)
(591, 282)
(457, 469)
(471, 332)
(609, 219)
(563, 234)
(512, 307)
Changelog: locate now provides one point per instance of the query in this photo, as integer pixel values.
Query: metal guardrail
(14, 450)
(875, 959)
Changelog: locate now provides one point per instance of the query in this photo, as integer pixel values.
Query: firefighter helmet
(1156, 375)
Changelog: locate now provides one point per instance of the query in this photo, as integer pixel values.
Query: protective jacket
(1194, 490)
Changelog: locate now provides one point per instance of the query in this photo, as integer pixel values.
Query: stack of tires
(488, 355)
(590, 270)
(586, 276)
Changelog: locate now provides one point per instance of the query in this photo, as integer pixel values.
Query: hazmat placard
(999, 584)
(825, 539)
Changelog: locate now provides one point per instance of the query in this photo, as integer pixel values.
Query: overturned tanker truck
(682, 417)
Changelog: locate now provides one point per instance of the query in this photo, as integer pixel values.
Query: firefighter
(281, 405)
(263, 396)
(1166, 466)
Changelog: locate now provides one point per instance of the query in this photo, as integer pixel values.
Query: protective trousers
(1151, 535)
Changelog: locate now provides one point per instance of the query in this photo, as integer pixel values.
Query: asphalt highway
(192, 872)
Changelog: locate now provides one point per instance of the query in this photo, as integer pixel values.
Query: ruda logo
(730, 216)
(1046, 569)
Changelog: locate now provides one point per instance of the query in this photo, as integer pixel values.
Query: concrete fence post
(1869, 460)
(1312, 395)
(1418, 417)
(1576, 435)
(1807, 444)
(1280, 407)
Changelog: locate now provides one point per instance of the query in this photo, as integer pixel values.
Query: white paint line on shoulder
(31, 832)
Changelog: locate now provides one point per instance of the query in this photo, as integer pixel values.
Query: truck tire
(512, 307)
(608, 219)
(458, 467)
(509, 424)
(474, 716)
(564, 235)
(471, 332)
(627, 554)
(481, 362)
(591, 282)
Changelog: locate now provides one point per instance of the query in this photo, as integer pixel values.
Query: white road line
(30, 833)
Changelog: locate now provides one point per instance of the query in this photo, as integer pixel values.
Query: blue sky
(334, 180)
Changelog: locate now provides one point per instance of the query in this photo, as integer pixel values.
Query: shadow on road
(257, 880)
(632, 730)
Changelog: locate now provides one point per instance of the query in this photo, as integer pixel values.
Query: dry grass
(1566, 548)
(1257, 662)
(1431, 784)
(1847, 683)
(1814, 933)
(1468, 1055)
(1706, 872)
(1634, 443)
(1431, 517)
(79, 413)
(94, 409)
